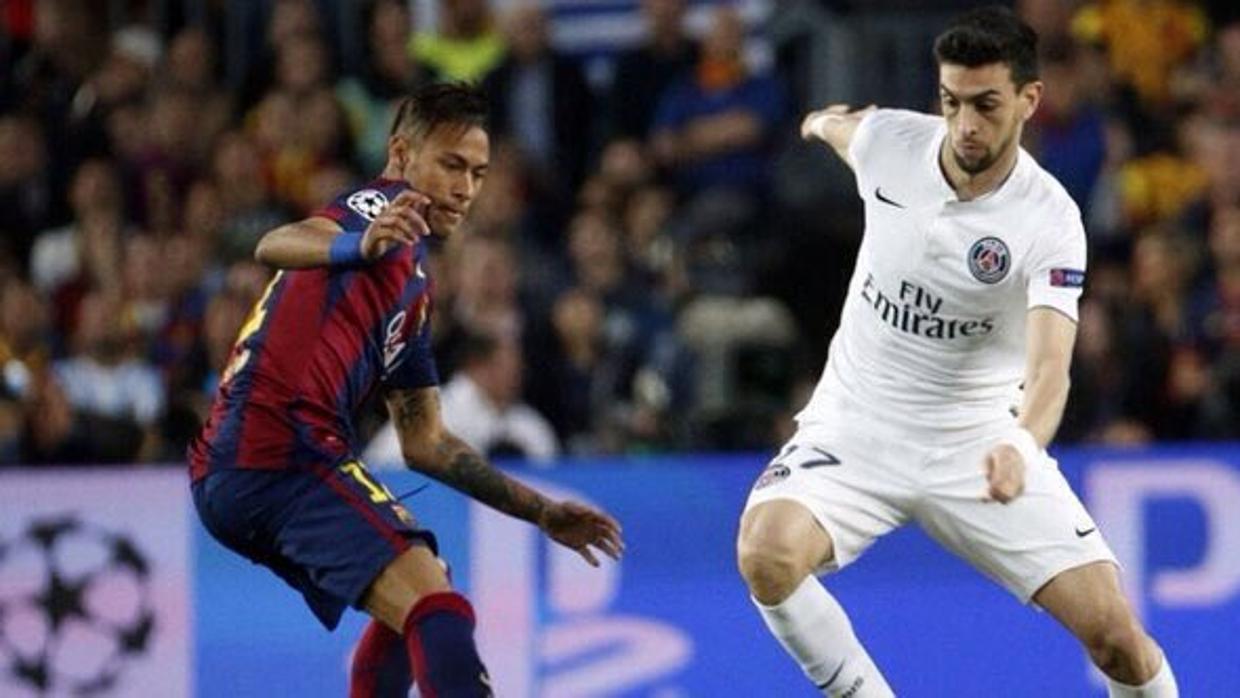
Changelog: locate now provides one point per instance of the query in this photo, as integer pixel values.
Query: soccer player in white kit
(965, 289)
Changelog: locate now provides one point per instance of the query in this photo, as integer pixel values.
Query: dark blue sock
(439, 634)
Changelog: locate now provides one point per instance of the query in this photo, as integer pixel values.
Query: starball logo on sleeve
(916, 310)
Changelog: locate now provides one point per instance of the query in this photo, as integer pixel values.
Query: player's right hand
(401, 223)
(579, 527)
(1005, 474)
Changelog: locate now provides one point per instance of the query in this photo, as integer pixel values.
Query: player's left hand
(579, 527)
(1005, 474)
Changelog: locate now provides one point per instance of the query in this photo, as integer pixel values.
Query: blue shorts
(327, 531)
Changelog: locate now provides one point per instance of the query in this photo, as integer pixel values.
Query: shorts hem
(411, 538)
(1026, 593)
(837, 561)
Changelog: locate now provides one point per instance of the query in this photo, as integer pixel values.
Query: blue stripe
(364, 374)
(338, 283)
(229, 432)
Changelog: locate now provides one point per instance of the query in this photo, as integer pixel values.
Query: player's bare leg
(779, 547)
(1089, 602)
(414, 574)
(413, 598)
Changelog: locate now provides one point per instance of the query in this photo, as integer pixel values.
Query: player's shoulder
(901, 126)
(1045, 198)
(888, 139)
(358, 205)
(370, 198)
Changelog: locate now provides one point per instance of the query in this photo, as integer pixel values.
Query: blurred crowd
(652, 265)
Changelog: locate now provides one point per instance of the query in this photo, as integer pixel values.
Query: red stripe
(392, 535)
(369, 659)
(440, 601)
(292, 324)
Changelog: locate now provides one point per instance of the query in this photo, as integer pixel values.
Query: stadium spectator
(25, 186)
(714, 126)
(24, 349)
(1068, 129)
(484, 298)
(541, 104)
(466, 45)
(482, 404)
(1145, 40)
(370, 97)
(57, 257)
(245, 205)
(643, 73)
(288, 19)
(109, 385)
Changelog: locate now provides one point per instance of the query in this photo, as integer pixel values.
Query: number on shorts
(378, 493)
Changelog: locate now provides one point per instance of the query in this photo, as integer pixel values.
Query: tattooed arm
(430, 448)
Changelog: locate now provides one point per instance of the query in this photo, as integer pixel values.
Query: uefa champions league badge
(368, 203)
(989, 260)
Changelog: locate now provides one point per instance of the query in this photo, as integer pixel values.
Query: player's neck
(969, 186)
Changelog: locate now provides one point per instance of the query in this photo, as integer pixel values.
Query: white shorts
(860, 486)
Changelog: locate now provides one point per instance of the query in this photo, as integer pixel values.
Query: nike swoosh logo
(1086, 532)
(878, 192)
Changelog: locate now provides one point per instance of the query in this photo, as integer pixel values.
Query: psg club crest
(368, 203)
(989, 260)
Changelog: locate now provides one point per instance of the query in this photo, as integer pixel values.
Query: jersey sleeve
(862, 144)
(881, 141)
(417, 369)
(355, 209)
(1057, 275)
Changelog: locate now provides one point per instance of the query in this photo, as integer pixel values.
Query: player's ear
(399, 151)
(1030, 98)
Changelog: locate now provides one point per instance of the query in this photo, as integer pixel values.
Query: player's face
(984, 111)
(448, 165)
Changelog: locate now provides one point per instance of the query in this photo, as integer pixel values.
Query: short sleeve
(355, 209)
(863, 148)
(417, 369)
(1057, 275)
(859, 148)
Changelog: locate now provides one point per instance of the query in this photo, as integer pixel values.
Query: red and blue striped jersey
(315, 347)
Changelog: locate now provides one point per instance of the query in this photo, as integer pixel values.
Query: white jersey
(932, 335)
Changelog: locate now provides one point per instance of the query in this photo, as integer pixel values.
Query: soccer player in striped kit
(275, 473)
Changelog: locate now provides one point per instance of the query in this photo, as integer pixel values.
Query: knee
(772, 569)
(1117, 646)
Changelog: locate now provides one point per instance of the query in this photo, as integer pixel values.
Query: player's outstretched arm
(320, 242)
(834, 126)
(430, 448)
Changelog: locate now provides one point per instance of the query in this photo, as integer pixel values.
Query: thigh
(412, 575)
(1023, 544)
(1085, 598)
(846, 484)
(328, 531)
(787, 527)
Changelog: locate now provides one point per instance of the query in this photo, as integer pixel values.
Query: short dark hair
(990, 35)
(437, 104)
